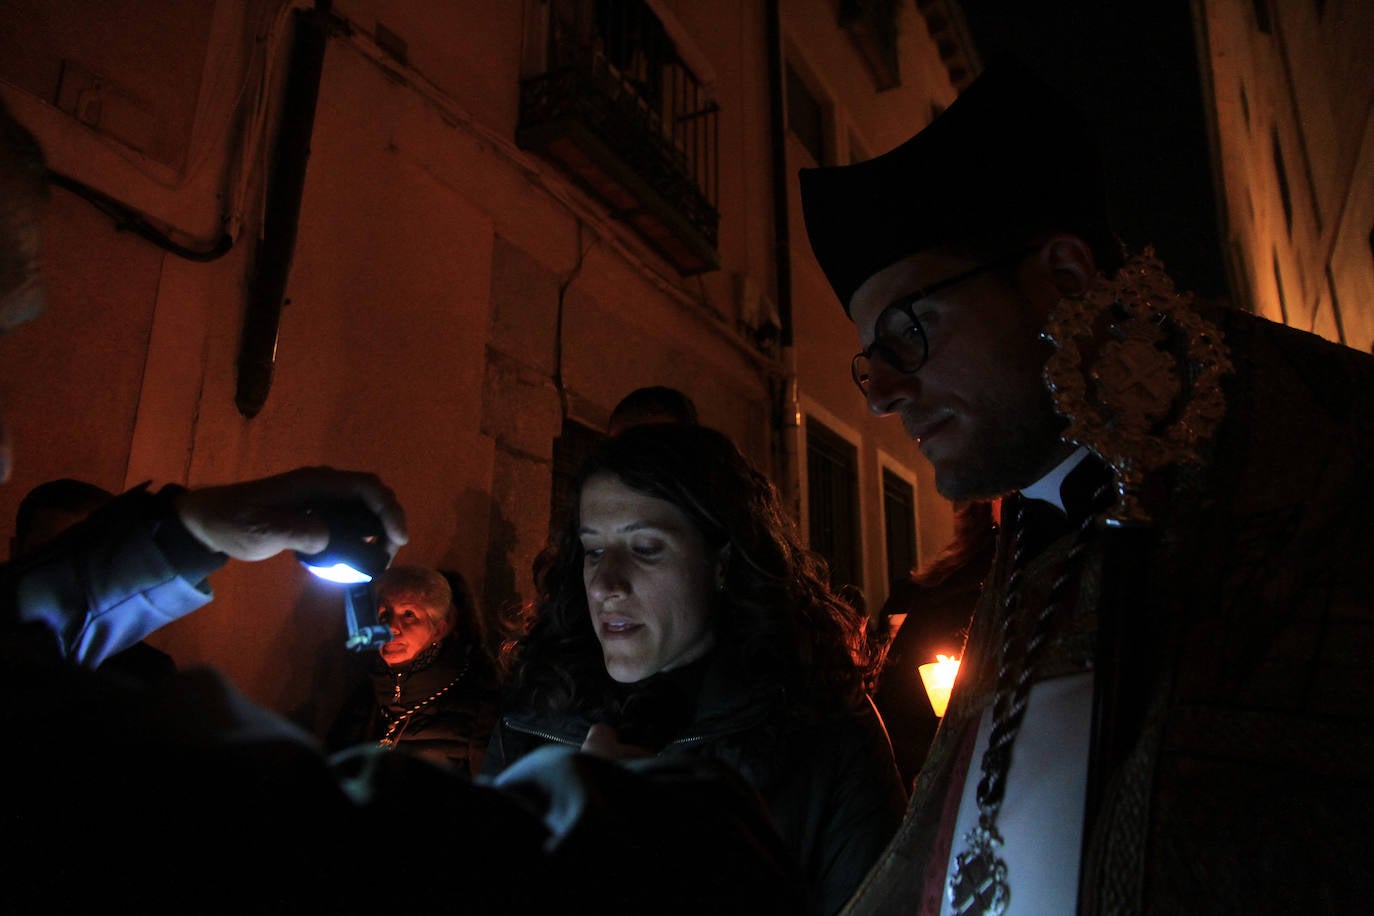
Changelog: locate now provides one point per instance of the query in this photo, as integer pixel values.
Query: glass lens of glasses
(899, 340)
(904, 351)
(897, 332)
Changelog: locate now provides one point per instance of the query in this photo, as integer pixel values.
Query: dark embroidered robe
(1232, 761)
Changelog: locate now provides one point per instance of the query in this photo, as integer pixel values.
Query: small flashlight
(355, 555)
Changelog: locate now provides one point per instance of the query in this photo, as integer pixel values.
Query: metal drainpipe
(784, 393)
(286, 183)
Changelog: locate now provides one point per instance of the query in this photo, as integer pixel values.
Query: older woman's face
(415, 625)
(649, 577)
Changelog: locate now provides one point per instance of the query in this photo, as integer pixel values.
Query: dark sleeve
(865, 805)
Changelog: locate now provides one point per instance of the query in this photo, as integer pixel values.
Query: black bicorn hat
(1010, 157)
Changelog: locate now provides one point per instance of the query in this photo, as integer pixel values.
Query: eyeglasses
(898, 337)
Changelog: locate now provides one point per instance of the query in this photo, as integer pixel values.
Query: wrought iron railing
(612, 69)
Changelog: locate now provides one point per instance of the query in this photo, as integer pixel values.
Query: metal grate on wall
(899, 521)
(833, 501)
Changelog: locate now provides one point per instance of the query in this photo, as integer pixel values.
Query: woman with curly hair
(677, 612)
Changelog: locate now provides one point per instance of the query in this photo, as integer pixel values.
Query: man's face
(978, 406)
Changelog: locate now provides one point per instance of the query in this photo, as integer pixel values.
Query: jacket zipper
(685, 741)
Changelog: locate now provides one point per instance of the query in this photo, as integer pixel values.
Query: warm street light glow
(938, 676)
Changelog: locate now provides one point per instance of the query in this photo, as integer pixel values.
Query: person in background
(935, 604)
(472, 616)
(140, 559)
(51, 508)
(239, 810)
(651, 404)
(678, 614)
(432, 689)
(1164, 702)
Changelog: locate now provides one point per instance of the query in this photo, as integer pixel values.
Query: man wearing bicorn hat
(1165, 702)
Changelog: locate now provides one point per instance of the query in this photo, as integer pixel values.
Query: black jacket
(443, 706)
(830, 783)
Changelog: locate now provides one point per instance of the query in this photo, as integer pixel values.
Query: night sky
(1132, 66)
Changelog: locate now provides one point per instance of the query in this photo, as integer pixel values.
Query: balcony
(872, 26)
(618, 111)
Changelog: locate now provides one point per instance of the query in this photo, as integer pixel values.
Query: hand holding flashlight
(344, 526)
(355, 555)
(258, 519)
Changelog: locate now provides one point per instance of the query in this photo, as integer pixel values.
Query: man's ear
(1069, 262)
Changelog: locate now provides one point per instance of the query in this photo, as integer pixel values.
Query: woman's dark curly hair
(777, 619)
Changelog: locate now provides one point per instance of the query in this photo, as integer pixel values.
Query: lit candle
(938, 676)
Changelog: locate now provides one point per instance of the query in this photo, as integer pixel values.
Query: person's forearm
(116, 577)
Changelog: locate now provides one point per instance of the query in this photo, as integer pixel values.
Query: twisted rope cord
(390, 738)
(1013, 681)
(1009, 705)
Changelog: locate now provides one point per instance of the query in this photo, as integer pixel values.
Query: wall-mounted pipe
(127, 219)
(286, 184)
(783, 390)
(777, 130)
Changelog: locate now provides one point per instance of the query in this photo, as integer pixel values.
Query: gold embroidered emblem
(1137, 373)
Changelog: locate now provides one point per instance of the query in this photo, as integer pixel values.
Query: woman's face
(414, 625)
(650, 578)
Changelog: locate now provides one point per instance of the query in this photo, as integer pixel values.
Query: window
(1281, 173)
(1336, 303)
(899, 521)
(857, 151)
(805, 116)
(833, 497)
(635, 43)
(1278, 284)
(872, 26)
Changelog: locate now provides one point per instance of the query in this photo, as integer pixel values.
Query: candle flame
(938, 677)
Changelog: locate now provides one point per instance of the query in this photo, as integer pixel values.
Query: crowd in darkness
(1164, 701)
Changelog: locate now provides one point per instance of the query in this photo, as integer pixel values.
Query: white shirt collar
(1046, 489)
